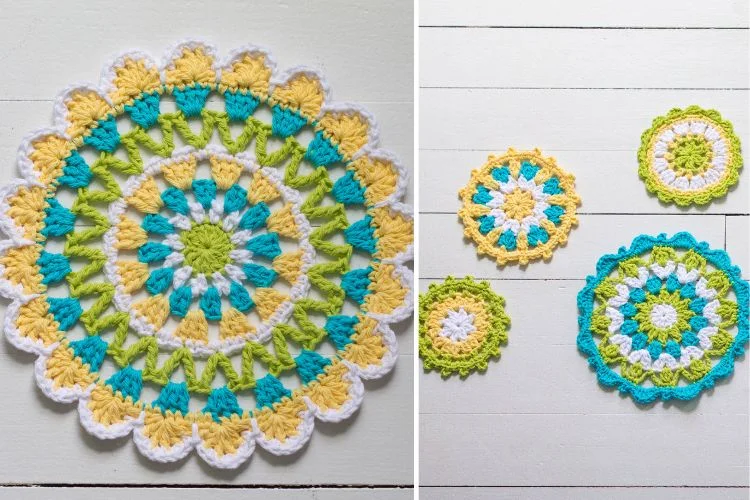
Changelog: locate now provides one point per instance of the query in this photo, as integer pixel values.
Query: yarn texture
(519, 207)
(663, 319)
(462, 323)
(186, 261)
(690, 156)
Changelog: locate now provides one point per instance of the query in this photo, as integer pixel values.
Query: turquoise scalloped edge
(608, 263)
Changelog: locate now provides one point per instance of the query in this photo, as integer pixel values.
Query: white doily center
(458, 325)
(663, 316)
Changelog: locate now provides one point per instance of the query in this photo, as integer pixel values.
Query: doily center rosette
(690, 156)
(462, 323)
(519, 207)
(664, 318)
(207, 254)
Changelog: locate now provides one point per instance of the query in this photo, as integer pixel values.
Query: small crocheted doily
(519, 207)
(180, 254)
(461, 325)
(663, 319)
(690, 156)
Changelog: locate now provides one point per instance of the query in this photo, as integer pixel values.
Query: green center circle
(691, 155)
(207, 248)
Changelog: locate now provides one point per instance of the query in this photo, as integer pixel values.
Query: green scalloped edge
(478, 359)
(653, 183)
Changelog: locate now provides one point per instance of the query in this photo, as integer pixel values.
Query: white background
(365, 50)
(580, 80)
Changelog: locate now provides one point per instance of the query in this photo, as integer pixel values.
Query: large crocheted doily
(206, 254)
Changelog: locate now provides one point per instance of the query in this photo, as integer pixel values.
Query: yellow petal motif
(132, 78)
(85, 108)
(349, 130)
(66, 370)
(378, 175)
(180, 174)
(129, 234)
(224, 437)
(331, 390)
(234, 324)
(282, 221)
(36, 323)
(133, 274)
(289, 266)
(166, 429)
(110, 408)
(261, 189)
(268, 300)
(367, 348)
(387, 291)
(225, 172)
(282, 421)
(48, 157)
(154, 309)
(146, 197)
(193, 327)
(193, 65)
(249, 71)
(21, 268)
(27, 210)
(303, 92)
(394, 231)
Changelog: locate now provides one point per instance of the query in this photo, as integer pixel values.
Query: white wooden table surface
(365, 52)
(580, 80)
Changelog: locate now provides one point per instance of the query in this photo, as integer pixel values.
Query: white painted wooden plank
(540, 370)
(634, 13)
(675, 449)
(738, 242)
(607, 182)
(44, 443)
(19, 493)
(583, 493)
(601, 120)
(582, 58)
(444, 251)
(365, 51)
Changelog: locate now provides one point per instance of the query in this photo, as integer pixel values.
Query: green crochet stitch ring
(461, 326)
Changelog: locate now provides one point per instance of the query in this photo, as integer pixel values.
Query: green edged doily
(690, 156)
(461, 325)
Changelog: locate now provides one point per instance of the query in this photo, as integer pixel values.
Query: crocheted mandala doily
(207, 254)
(663, 319)
(519, 207)
(690, 155)
(461, 326)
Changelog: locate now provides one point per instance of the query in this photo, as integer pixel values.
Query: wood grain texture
(558, 119)
(584, 94)
(583, 493)
(583, 58)
(586, 13)
(365, 52)
(202, 493)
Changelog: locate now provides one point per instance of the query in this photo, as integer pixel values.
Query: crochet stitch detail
(690, 156)
(461, 326)
(161, 236)
(663, 319)
(519, 207)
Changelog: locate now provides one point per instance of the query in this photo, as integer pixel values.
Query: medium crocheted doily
(664, 318)
(206, 254)
(690, 156)
(519, 207)
(462, 323)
